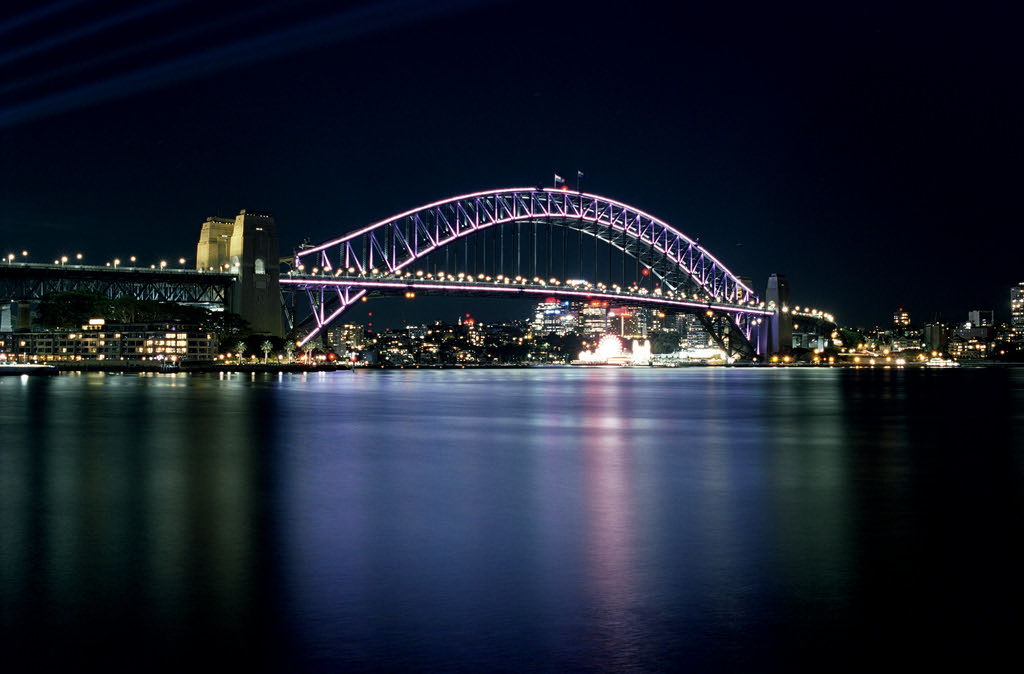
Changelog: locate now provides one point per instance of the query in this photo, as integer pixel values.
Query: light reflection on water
(560, 519)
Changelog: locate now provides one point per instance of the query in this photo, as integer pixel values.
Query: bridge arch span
(512, 232)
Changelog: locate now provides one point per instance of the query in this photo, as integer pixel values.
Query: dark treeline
(72, 309)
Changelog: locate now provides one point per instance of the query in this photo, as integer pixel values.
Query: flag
(579, 175)
(559, 180)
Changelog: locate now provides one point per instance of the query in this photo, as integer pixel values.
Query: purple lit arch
(339, 272)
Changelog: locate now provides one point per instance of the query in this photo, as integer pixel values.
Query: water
(703, 520)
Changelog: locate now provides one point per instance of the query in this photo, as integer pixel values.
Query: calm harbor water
(591, 519)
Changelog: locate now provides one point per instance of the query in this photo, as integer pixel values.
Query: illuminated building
(347, 335)
(901, 318)
(693, 335)
(553, 316)
(593, 318)
(97, 341)
(970, 342)
(624, 321)
(1017, 307)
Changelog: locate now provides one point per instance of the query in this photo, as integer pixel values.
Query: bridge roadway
(503, 286)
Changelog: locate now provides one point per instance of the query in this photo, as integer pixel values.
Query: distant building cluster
(979, 337)
(596, 317)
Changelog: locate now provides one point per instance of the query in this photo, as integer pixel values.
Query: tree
(266, 347)
(240, 347)
(70, 308)
(289, 349)
(309, 348)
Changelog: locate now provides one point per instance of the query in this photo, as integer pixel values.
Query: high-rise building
(1017, 307)
(693, 335)
(553, 315)
(981, 318)
(592, 318)
(901, 318)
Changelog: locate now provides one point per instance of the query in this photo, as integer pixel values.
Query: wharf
(16, 369)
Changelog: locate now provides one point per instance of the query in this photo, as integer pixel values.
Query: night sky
(871, 153)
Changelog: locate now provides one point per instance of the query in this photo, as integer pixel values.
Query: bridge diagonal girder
(393, 244)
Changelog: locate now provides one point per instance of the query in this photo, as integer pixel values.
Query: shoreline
(131, 367)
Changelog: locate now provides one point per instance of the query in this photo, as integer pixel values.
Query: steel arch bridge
(513, 242)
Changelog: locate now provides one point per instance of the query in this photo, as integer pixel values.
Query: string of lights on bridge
(78, 261)
(635, 289)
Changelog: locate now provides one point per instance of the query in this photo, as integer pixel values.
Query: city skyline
(870, 154)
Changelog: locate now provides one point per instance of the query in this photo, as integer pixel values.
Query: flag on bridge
(559, 180)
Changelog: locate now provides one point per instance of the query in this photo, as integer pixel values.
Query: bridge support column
(777, 336)
(24, 317)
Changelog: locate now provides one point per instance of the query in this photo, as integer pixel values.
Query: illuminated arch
(393, 245)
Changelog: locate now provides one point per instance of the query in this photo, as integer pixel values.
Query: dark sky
(871, 152)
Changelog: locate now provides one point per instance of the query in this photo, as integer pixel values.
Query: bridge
(528, 242)
(30, 282)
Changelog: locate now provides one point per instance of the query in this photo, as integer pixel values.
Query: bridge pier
(248, 246)
(777, 335)
(15, 316)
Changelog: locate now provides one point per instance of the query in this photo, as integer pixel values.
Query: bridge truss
(529, 238)
(31, 282)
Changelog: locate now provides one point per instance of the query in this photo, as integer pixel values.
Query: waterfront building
(100, 342)
(906, 340)
(348, 336)
(936, 337)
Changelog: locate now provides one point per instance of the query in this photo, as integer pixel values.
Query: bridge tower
(247, 246)
(778, 338)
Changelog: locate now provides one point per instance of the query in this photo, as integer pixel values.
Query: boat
(941, 362)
